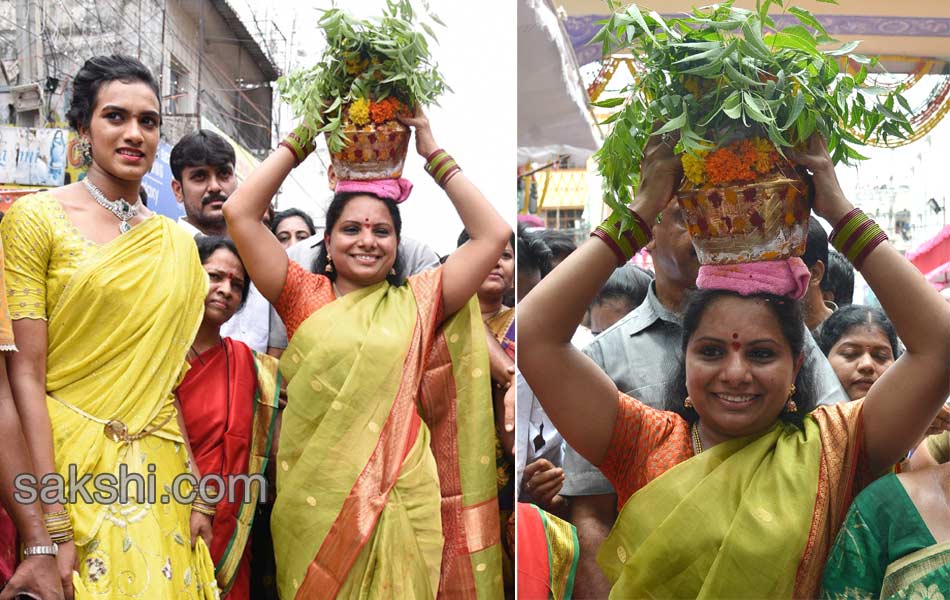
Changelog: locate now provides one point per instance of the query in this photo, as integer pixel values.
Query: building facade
(210, 68)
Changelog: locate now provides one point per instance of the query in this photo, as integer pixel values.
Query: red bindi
(735, 344)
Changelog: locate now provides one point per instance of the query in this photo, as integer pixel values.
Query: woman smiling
(740, 488)
(105, 298)
(376, 368)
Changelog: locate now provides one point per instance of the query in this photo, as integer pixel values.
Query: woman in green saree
(895, 541)
(106, 298)
(733, 492)
(378, 372)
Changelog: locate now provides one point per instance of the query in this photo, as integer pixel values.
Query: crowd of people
(343, 453)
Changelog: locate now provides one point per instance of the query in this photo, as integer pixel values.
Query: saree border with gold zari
(918, 572)
(502, 327)
(262, 439)
(456, 405)
(346, 407)
(548, 553)
(117, 340)
(750, 517)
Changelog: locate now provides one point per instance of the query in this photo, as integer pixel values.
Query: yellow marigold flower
(359, 111)
(765, 155)
(356, 64)
(694, 166)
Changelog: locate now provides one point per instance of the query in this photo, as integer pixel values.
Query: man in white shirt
(202, 164)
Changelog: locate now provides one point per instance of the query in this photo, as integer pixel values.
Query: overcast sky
(476, 123)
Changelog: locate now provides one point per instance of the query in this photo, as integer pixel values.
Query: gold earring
(687, 403)
(85, 151)
(329, 267)
(393, 271)
(790, 405)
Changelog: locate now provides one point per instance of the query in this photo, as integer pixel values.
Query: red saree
(229, 403)
(8, 547)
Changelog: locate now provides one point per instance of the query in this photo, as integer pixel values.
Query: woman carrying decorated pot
(740, 488)
(378, 370)
(106, 298)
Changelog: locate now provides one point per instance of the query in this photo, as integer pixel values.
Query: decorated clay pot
(373, 152)
(765, 219)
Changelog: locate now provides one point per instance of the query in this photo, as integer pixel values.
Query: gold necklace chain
(697, 443)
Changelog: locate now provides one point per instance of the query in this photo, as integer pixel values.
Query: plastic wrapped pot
(761, 220)
(373, 152)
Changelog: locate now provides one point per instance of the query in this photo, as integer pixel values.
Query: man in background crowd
(202, 164)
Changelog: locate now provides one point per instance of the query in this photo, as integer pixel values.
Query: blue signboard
(157, 183)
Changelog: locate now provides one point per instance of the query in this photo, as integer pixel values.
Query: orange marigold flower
(385, 110)
(722, 166)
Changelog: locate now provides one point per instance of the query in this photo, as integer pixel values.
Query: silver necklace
(123, 211)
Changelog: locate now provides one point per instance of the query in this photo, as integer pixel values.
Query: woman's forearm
(482, 222)
(27, 516)
(261, 253)
(28, 385)
(470, 264)
(920, 315)
(556, 306)
(250, 200)
(904, 400)
(576, 394)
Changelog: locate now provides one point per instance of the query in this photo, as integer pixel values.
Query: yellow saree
(117, 338)
(358, 488)
(751, 517)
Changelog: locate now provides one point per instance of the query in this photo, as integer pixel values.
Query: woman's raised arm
(470, 264)
(903, 402)
(576, 394)
(263, 256)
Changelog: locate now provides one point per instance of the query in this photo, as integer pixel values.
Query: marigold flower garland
(362, 111)
(742, 160)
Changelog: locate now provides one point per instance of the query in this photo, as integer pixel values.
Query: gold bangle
(205, 509)
(62, 538)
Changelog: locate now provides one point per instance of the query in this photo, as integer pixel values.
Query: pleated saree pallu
(363, 479)
(118, 336)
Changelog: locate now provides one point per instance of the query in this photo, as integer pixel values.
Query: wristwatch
(40, 550)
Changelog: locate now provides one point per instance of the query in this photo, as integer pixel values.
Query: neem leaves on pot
(725, 81)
